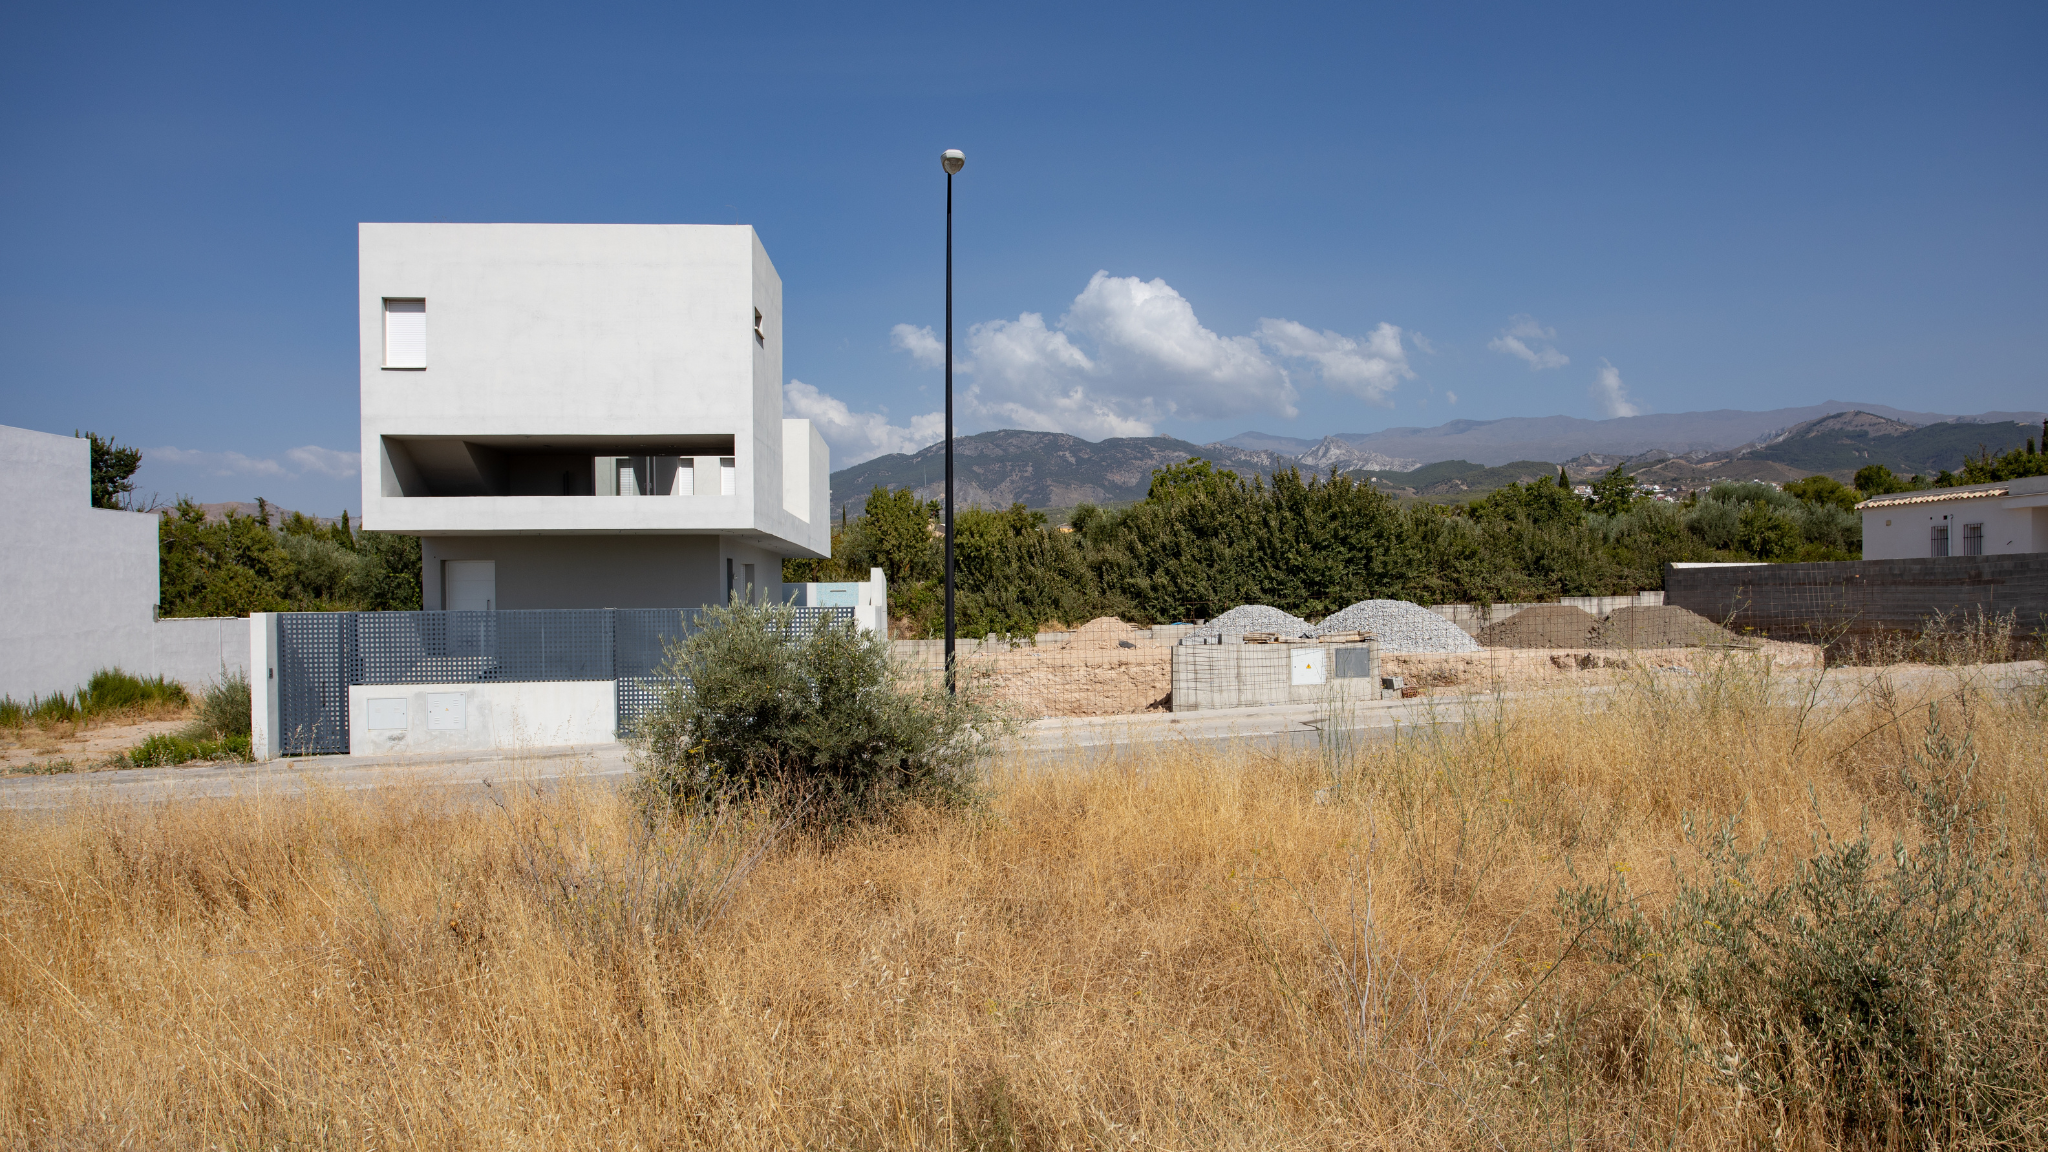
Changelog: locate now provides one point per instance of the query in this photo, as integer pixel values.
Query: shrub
(168, 748)
(1896, 991)
(112, 690)
(223, 709)
(761, 707)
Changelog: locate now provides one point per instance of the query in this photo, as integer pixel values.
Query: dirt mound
(1544, 626)
(1661, 626)
(1101, 632)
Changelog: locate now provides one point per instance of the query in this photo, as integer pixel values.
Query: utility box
(1208, 676)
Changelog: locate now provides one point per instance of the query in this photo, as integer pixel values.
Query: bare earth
(29, 748)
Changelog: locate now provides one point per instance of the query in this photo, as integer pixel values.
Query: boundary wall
(1862, 598)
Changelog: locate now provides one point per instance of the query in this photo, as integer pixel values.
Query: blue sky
(1179, 219)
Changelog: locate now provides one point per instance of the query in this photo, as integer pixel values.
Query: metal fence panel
(322, 654)
(316, 663)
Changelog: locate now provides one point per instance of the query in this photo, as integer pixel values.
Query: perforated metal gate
(322, 654)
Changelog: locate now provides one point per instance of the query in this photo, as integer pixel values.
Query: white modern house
(1998, 519)
(583, 415)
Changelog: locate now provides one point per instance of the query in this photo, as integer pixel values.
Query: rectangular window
(728, 480)
(686, 478)
(1940, 542)
(1973, 539)
(751, 597)
(405, 333)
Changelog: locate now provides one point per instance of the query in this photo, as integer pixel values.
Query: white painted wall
(78, 584)
(199, 650)
(2014, 521)
(870, 598)
(502, 717)
(543, 334)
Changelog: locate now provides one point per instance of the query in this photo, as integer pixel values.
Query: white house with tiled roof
(1973, 520)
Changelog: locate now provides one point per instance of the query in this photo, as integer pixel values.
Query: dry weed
(1179, 950)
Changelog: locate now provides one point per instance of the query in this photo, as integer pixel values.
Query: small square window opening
(405, 333)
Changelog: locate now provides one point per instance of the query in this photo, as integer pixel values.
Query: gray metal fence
(322, 654)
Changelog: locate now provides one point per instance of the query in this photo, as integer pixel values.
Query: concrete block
(397, 718)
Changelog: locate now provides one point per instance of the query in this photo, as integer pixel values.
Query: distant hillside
(1457, 479)
(1040, 469)
(1839, 444)
(1495, 442)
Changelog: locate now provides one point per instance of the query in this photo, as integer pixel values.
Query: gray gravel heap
(1400, 627)
(1256, 618)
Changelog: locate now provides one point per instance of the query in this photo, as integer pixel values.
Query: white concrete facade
(1998, 519)
(418, 718)
(595, 409)
(78, 584)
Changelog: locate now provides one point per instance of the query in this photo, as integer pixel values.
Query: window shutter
(727, 483)
(405, 333)
(686, 477)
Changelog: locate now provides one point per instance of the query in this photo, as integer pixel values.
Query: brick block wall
(1864, 597)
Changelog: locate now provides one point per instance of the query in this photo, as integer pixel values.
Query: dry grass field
(1363, 948)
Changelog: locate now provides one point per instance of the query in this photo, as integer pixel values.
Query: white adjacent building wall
(594, 409)
(78, 584)
(1996, 519)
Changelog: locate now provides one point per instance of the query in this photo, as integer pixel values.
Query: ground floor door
(469, 585)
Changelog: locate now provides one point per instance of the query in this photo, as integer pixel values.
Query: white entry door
(469, 585)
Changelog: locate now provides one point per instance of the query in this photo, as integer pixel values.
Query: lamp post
(952, 160)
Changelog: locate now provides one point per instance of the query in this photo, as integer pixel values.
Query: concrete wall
(1861, 597)
(492, 716)
(78, 584)
(583, 339)
(197, 651)
(870, 598)
(1209, 676)
(2014, 515)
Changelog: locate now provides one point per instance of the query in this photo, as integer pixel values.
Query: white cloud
(1451, 396)
(923, 346)
(325, 461)
(299, 461)
(857, 436)
(1518, 337)
(1368, 371)
(1129, 353)
(1612, 393)
(216, 463)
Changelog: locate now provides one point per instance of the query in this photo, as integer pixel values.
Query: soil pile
(1544, 626)
(1661, 626)
(1099, 633)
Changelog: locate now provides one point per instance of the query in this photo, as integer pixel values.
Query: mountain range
(1465, 457)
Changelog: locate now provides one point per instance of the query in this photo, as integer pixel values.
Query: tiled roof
(1936, 496)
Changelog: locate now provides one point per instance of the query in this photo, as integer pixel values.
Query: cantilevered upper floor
(581, 378)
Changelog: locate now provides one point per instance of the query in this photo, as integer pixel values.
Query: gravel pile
(1399, 626)
(1256, 618)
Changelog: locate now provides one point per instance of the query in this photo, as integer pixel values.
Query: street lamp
(952, 160)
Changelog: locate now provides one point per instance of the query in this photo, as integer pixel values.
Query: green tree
(1615, 492)
(1985, 468)
(113, 471)
(1537, 502)
(896, 532)
(1823, 490)
(1877, 480)
(1767, 533)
